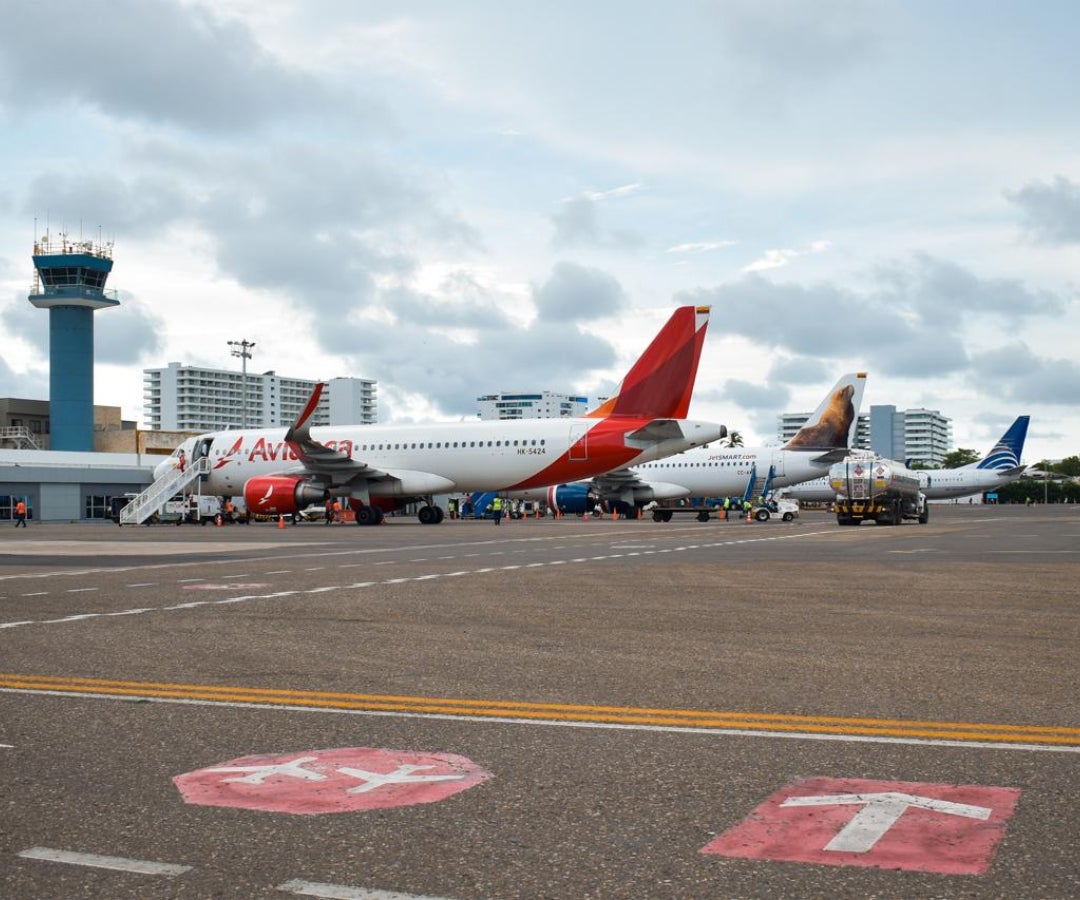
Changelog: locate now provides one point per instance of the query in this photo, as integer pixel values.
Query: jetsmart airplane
(725, 471)
(1000, 466)
(377, 468)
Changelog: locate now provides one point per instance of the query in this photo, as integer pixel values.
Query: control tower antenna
(69, 281)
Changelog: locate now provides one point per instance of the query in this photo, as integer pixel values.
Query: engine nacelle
(571, 498)
(281, 496)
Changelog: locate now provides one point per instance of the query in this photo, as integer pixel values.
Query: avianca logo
(233, 450)
(266, 496)
(271, 451)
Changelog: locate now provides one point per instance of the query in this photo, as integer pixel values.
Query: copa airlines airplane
(377, 468)
(1000, 466)
(725, 471)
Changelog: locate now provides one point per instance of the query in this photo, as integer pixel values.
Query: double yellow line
(975, 732)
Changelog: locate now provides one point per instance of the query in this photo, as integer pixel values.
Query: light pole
(244, 352)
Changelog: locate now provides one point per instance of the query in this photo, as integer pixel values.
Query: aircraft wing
(662, 430)
(340, 468)
(317, 457)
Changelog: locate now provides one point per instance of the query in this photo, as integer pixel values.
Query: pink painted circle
(346, 779)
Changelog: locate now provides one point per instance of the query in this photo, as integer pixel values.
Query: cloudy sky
(456, 199)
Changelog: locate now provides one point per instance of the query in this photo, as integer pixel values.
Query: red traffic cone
(280, 521)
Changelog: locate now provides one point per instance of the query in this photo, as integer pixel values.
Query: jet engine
(571, 498)
(281, 496)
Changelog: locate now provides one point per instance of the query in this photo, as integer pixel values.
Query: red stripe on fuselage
(603, 445)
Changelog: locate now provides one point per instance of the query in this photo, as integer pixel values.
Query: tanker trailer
(879, 489)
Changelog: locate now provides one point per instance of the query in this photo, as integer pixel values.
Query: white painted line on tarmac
(186, 580)
(139, 866)
(80, 590)
(405, 580)
(142, 584)
(289, 571)
(341, 892)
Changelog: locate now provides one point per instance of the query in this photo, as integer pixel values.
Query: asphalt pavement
(543, 709)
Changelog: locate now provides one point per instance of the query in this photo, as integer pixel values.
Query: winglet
(833, 424)
(301, 426)
(660, 383)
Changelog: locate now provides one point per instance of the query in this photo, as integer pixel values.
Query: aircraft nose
(163, 467)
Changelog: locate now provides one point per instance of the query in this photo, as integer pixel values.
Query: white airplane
(1000, 466)
(724, 471)
(377, 468)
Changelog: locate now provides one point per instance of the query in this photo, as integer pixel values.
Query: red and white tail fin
(660, 383)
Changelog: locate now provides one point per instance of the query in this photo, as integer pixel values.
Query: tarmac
(543, 709)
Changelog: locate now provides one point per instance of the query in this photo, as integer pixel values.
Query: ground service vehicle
(761, 512)
(877, 489)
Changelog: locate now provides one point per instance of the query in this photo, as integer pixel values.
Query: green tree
(1069, 466)
(734, 439)
(958, 458)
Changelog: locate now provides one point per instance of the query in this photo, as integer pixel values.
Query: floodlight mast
(242, 349)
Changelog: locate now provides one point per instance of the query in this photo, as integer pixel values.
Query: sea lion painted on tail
(831, 429)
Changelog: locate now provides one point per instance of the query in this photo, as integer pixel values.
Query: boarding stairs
(154, 498)
(759, 485)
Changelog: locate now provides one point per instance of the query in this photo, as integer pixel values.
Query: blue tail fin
(1006, 452)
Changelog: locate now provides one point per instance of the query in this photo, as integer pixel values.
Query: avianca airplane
(1000, 466)
(725, 471)
(377, 468)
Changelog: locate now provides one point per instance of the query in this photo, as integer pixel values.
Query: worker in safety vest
(497, 510)
(20, 514)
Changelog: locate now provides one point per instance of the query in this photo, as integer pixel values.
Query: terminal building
(542, 405)
(193, 398)
(920, 435)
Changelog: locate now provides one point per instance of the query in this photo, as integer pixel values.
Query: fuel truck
(876, 489)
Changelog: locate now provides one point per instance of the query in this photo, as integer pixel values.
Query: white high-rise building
(542, 405)
(192, 398)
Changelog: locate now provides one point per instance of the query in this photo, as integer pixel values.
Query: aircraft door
(579, 443)
(778, 464)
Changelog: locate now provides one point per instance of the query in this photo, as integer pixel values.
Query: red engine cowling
(281, 496)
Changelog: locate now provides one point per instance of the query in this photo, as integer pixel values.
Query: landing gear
(661, 515)
(703, 516)
(369, 515)
(430, 515)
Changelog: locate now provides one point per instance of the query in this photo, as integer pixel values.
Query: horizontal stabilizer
(663, 430)
(831, 457)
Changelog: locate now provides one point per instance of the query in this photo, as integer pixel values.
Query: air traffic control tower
(69, 282)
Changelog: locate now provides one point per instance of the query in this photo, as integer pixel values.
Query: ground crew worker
(229, 511)
(337, 510)
(20, 514)
(497, 510)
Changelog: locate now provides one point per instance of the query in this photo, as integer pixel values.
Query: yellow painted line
(556, 712)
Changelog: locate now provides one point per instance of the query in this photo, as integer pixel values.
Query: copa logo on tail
(1006, 452)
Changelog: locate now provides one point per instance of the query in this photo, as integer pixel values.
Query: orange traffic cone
(280, 521)
(614, 516)
(749, 518)
(585, 516)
